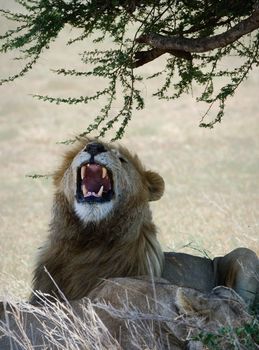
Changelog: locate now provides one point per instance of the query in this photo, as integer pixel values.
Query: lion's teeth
(85, 191)
(104, 172)
(100, 191)
(83, 170)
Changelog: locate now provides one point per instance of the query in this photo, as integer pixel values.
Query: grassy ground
(212, 192)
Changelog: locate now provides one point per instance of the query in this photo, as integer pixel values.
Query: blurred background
(211, 199)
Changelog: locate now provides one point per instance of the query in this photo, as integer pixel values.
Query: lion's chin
(94, 211)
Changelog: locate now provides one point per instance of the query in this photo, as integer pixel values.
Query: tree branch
(167, 43)
(143, 57)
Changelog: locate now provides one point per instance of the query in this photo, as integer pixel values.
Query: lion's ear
(155, 184)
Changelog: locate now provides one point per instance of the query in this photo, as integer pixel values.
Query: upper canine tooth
(100, 191)
(104, 170)
(83, 169)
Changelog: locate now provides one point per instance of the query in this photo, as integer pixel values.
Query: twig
(143, 57)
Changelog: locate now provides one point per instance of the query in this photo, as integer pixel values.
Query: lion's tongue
(93, 179)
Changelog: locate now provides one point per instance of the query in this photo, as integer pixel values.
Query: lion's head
(99, 178)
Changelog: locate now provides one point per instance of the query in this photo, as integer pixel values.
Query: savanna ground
(212, 195)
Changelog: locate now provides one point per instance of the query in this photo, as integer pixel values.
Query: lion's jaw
(101, 184)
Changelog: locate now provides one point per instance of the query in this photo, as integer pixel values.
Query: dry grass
(212, 191)
(59, 326)
(55, 326)
(150, 324)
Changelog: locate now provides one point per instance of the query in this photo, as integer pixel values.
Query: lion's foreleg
(240, 270)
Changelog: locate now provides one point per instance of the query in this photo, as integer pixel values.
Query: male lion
(102, 227)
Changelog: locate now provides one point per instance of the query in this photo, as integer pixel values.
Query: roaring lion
(102, 227)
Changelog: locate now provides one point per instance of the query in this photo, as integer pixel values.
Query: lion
(101, 223)
(102, 228)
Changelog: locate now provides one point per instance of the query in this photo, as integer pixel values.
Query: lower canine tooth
(85, 191)
(100, 191)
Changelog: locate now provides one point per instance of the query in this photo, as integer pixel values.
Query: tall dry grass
(54, 326)
(150, 323)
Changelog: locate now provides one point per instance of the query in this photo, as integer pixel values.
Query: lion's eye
(122, 160)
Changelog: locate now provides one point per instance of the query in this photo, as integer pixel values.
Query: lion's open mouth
(94, 183)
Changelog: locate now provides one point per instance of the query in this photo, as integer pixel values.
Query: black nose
(95, 148)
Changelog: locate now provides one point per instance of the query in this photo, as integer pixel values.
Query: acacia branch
(167, 43)
(143, 57)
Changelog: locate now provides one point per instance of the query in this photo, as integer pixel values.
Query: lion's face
(99, 178)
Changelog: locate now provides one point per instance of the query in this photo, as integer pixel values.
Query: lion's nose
(95, 148)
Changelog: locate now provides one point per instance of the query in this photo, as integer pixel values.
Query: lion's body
(95, 237)
(238, 270)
